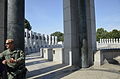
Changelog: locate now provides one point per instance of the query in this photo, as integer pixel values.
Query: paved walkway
(39, 68)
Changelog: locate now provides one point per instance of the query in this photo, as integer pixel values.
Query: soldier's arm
(1, 58)
(22, 57)
(1, 55)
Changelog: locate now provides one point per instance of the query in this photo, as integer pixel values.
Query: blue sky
(107, 14)
(46, 16)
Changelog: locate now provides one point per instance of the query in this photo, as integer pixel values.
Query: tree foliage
(27, 24)
(115, 34)
(102, 33)
(60, 36)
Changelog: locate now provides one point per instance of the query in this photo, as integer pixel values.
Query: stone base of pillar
(98, 58)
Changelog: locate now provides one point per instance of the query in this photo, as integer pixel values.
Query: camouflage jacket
(18, 55)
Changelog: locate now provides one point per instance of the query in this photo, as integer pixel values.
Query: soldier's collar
(11, 50)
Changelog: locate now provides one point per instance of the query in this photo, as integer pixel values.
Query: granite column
(15, 22)
(3, 23)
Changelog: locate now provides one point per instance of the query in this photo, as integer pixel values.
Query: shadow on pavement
(53, 72)
(44, 70)
(32, 58)
(113, 61)
(36, 62)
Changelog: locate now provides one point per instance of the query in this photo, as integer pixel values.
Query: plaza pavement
(39, 68)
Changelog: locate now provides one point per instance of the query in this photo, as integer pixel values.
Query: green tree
(115, 33)
(59, 35)
(27, 24)
(101, 33)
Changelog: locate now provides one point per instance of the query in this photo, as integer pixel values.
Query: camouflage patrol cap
(9, 41)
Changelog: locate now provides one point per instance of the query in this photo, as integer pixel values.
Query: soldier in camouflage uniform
(14, 60)
(3, 73)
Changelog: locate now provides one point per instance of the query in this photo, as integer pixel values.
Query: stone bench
(106, 55)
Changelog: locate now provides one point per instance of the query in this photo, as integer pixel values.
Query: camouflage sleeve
(22, 56)
(1, 55)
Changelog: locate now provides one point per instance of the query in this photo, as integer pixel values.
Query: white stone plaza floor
(39, 68)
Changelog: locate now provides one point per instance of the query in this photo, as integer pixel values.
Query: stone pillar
(34, 41)
(48, 53)
(31, 40)
(15, 22)
(55, 40)
(79, 32)
(119, 40)
(40, 37)
(50, 40)
(43, 40)
(71, 36)
(47, 40)
(26, 40)
(3, 23)
(87, 31)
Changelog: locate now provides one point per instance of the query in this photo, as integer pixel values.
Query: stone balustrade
(34, 41)
(108, 43)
